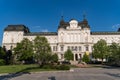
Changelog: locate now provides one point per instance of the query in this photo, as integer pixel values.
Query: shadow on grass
(111, 67)
(103, 66)
(19, 73)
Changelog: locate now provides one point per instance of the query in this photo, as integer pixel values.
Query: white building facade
(73, 35)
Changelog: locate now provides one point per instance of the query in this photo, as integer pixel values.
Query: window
(68, 47)
(79, 48)
(72, 48)
(62, 56)
(54, 48)
(75, 48)
(62, 48)
(87, 48)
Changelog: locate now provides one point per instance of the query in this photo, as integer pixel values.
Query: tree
(5, 55)
(42, 50)
(54, 58)
(114, 54)
(85, 58)
(100, 50)
(2, 53)
(68, 55)
(2, 56)
(24, 50)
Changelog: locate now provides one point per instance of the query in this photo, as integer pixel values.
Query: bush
(58, 67)
(86, 58)
(49, 66)
(63, 67)
(54, 58)
(2, 62)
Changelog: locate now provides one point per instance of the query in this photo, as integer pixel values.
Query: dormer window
(73, 24)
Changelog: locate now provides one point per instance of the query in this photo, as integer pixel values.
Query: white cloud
(116, 26)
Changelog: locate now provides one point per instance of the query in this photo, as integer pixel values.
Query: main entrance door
(76, 57)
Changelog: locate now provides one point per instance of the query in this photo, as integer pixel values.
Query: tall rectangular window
(54, 48)
(76, 48)
(72, 48)
(62, 48)
(79, 48)
(87, 48)
(68, 47)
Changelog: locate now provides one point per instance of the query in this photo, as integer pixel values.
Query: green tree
(42, 50)
(24, 50)
(2, 53)
(85, 58)
(2, 56)
(114, 54)
(100, 50)
(54, 58)
(68, 55)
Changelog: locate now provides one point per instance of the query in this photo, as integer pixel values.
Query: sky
(45, 15)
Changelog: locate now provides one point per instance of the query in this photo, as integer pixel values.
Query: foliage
(5, 55)
(42, 50)
(24, 50)
(86, 58)
(63, 67)
(68, 55)
(54, 58)
(2, 53)
(2, 62)
(100, 50)
(114, 54)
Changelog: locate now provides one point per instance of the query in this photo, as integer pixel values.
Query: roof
(40, 33)
(83, 24)
(105, 33)
(17, 28)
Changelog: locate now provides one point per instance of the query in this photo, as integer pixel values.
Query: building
(73, 35)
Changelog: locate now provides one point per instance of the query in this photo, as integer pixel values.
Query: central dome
(73, 24)
(74, 21)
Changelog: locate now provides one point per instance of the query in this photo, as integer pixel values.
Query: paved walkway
(77, 74)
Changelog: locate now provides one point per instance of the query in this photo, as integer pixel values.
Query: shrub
(2, 62)
(54, 58)
(47, 66)
(86, 58)
(58, 67)
(63, 67)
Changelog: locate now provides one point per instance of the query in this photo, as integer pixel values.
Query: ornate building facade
(73, 35)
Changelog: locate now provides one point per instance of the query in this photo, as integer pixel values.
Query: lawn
(21, 68)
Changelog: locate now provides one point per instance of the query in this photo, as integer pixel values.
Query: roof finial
(62, 15)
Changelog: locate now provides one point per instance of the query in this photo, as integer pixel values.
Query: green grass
(21, 68)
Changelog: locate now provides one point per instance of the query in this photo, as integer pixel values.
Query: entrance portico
(77, 56)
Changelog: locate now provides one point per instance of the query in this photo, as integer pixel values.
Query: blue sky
(44, 15)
